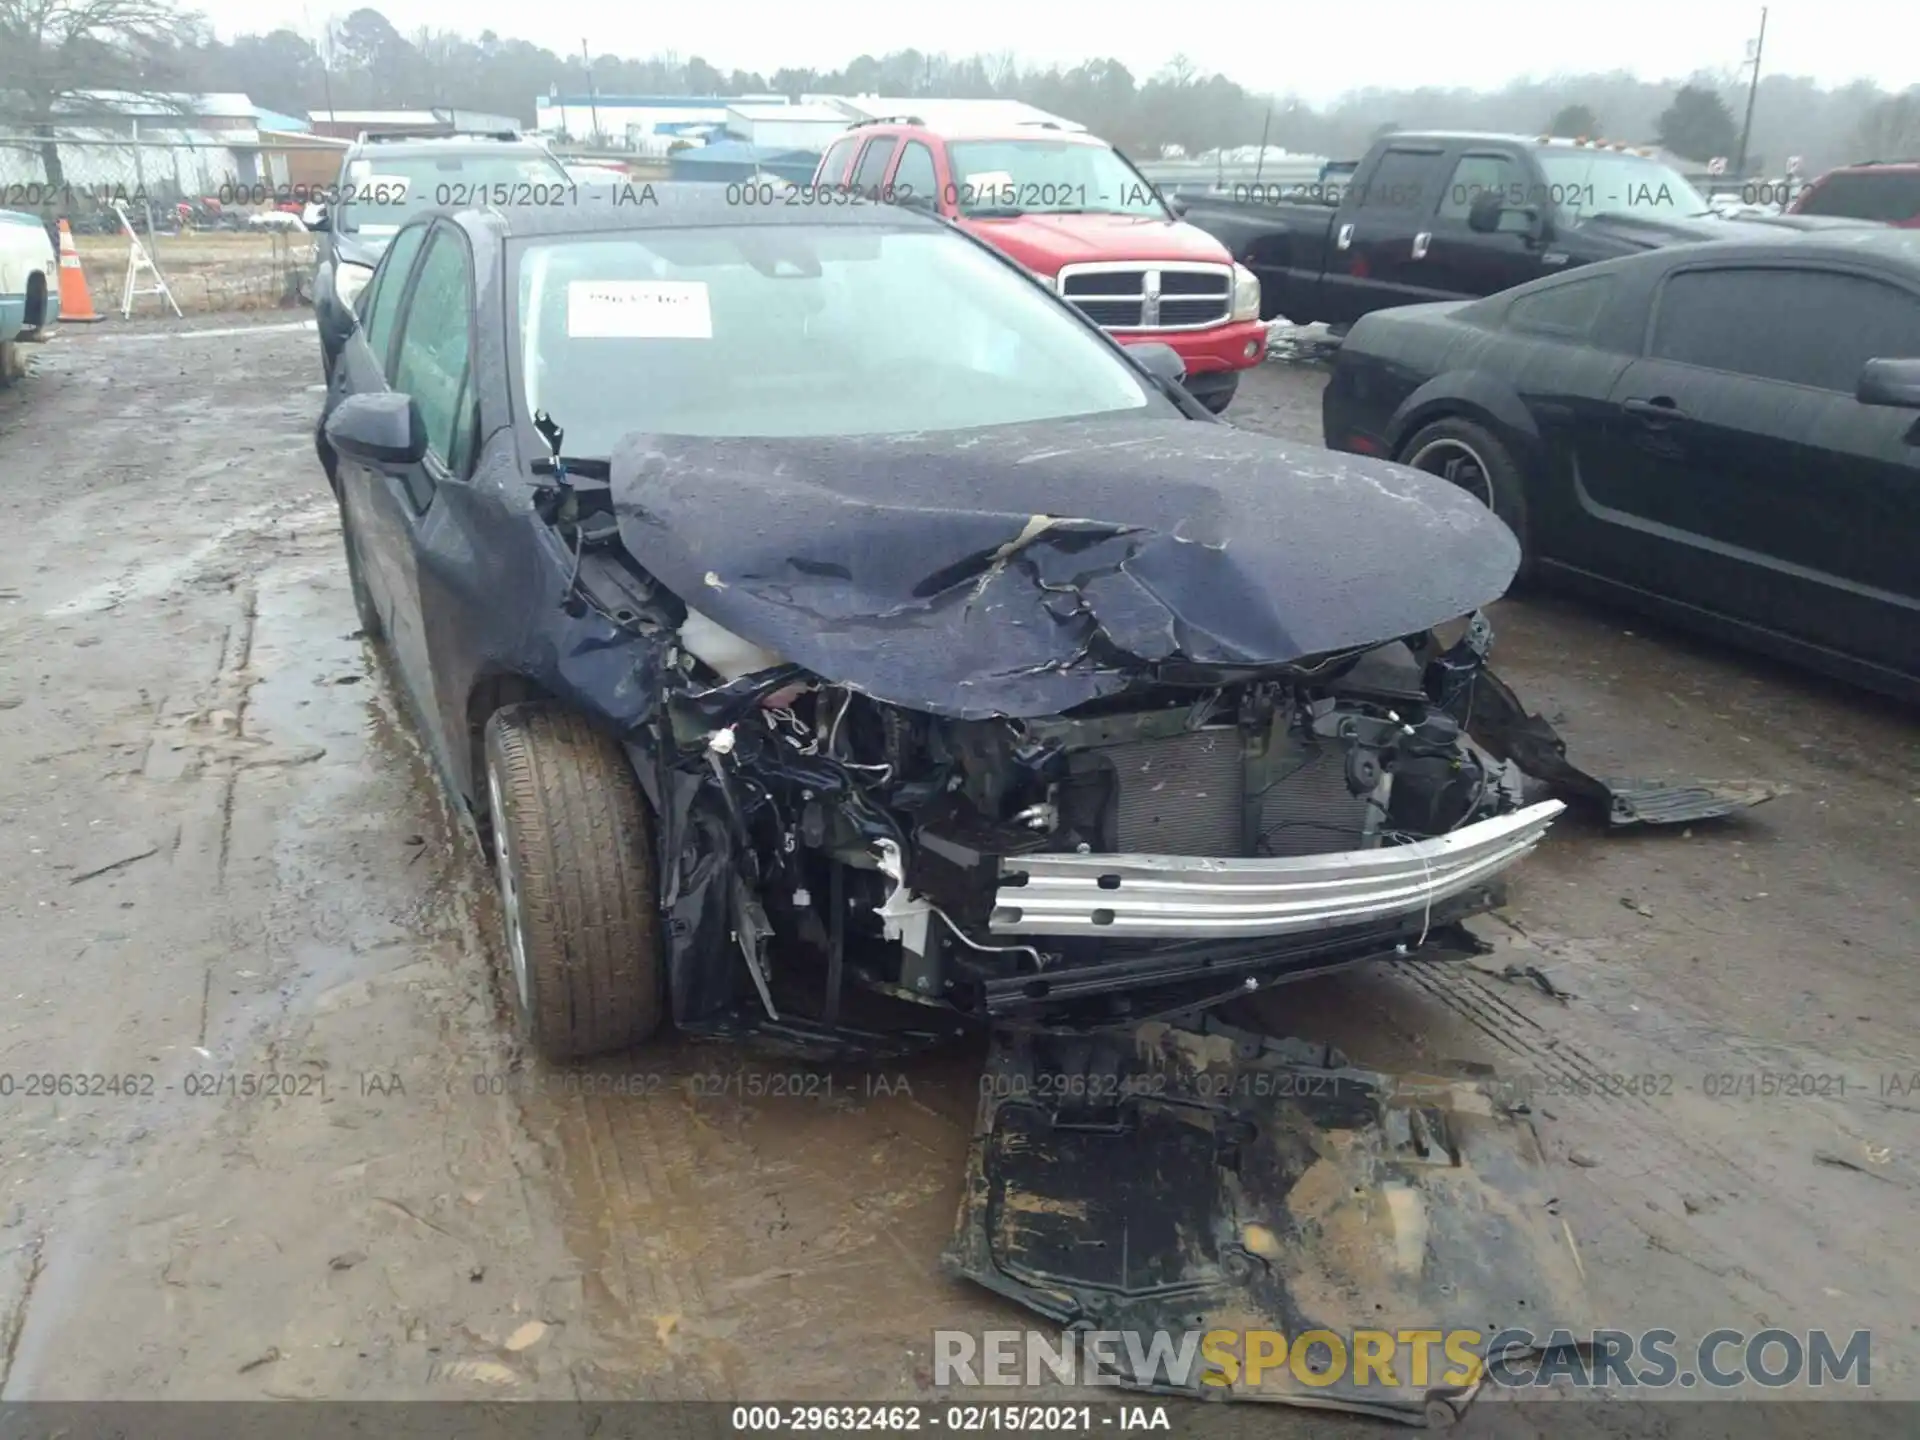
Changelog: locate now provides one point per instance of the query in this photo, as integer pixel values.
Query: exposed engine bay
(854, 757)
(1081, 782)
(1216, 837)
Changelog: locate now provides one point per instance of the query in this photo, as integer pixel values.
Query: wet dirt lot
(290, 1149)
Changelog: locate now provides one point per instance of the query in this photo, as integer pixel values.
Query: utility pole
(1753, 89)
(1266, 125)
(323, 47)
(593, 100)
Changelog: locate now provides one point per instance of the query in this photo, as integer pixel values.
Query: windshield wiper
(996, 212)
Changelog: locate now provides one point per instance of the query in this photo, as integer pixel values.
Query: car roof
(1528, 142)
(961, 133)
(1875, 167)
(668, 205)
(445, 145)
(1882, 242)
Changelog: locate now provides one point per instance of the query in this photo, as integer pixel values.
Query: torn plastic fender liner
(1500, 722)
(1170, 1181)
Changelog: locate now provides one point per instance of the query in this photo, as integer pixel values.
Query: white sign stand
(137, 260)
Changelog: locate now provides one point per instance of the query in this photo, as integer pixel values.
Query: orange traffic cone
(75, 303)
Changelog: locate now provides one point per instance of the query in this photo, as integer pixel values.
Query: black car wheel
(573, 848)
(371, 625)
(1465, 454)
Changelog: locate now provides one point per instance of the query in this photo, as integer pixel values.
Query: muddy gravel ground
(299, 1154)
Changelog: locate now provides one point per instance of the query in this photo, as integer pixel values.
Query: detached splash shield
(1500, 722)
(1170, 1182)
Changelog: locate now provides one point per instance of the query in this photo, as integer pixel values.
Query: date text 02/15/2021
(964, 1419)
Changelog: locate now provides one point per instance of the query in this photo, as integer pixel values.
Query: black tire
(1215, 392)
(1471, 457)
(372, 627)
(573, 851)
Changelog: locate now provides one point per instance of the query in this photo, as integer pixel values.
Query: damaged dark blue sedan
(803, 602)
(804, 598)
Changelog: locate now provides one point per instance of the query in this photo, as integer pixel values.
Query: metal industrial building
(647, 124)
(443, 120)
(944, 114)
(168, 145)
(786, 127)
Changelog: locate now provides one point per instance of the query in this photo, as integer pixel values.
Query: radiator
(1187, 795)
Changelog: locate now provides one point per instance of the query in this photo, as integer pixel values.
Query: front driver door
(1743, 478)
(363, 367)
(434, 343)
(1464, 261)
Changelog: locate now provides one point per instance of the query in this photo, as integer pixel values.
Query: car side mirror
(1531, 222)
(1163, 362)
(316, 218)
(1177, 204)
(1894, 383)
(383, 430)
(1483, 213)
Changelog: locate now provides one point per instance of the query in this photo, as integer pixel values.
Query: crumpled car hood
(1022, 570)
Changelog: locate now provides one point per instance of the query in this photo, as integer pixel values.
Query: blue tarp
(739, 160)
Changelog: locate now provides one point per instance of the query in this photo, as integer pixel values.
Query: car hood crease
(1021, 570)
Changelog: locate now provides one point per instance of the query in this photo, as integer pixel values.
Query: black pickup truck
(1452, 216)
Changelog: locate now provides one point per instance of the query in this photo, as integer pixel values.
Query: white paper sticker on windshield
(639, 310)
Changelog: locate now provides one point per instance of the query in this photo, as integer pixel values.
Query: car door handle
(1420, 243)
(1345, 238)
(1655, 413)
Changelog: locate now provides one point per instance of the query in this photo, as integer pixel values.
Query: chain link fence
(203, 206)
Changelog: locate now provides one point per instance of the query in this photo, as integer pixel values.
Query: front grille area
(1167, 297)
(1188, 796)
(1112, 314)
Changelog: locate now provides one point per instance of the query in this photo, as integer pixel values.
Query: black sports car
(1725, 435)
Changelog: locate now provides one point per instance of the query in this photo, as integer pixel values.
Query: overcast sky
(1317, 50)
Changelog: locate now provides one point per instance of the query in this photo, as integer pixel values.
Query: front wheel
(1472, 457)
(573, 848)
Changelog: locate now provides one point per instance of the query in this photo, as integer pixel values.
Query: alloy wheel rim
(509, 893)
(1459, 464)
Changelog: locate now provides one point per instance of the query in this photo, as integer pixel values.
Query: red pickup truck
(1871, 190)
(1069, 208)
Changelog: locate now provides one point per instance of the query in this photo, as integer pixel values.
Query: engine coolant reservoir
(720, 649)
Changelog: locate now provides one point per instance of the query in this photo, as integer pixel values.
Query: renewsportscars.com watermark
(1518, 1359)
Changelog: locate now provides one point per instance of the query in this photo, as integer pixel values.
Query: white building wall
(788, 134)
(618, 120)
(105, 169)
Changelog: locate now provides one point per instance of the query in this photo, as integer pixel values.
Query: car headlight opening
(1246, 294)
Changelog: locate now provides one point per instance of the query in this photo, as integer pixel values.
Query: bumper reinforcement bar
(1192, 895)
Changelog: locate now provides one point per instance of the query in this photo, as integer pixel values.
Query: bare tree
(1890, 130)
(52, 52)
